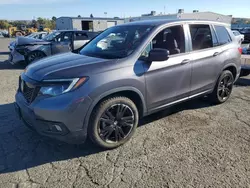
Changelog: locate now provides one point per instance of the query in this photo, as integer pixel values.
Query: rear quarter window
(222, 34)
(81, 36)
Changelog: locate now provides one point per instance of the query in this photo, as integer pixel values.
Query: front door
(168, 82)
(63, 43)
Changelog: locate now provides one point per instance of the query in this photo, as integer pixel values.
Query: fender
(230, 65)
(110, 92)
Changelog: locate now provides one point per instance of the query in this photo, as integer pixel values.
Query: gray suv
(125, 73)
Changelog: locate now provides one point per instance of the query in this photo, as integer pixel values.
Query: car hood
(29, 41)
(68, 65)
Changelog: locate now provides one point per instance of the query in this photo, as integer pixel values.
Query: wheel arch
(232, 68)
(132, 93)
(37, 50)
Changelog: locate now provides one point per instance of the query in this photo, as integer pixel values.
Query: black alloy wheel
(116, 123)
(113, 122)
(225, 87)
(34, 56)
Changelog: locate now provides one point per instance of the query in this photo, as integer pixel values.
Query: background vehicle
(238, 36)
(20, 31)
(27, 49)
(38, 35)
(246, 33)
(144, 68)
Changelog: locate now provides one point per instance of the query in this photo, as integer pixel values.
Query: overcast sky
(29, 9)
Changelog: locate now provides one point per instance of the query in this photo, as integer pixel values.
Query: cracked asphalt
(193, 144)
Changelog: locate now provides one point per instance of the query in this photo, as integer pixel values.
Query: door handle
(185, 61)
(216, 53)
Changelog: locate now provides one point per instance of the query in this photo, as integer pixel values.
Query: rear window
(81, 36)
(222, 34)
(236, 33)
(201, 36)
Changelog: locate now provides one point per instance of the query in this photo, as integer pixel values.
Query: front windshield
(51, 36)
(117, 42)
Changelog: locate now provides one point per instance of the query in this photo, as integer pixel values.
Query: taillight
(240, 50)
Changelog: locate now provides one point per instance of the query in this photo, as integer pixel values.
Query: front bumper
(14, 56)
(45, 113)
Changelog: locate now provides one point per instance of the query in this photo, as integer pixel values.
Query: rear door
(80, 38)
(63, 43)
(206, 58)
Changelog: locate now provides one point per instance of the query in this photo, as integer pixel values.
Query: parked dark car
(246, 33)
(104, 91)
(29, 49)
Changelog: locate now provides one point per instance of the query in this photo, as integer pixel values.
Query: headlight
(60, 86)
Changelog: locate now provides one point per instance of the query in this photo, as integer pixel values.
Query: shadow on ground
(5, 65)
(21, 148)
(4, 53)
(242, 82)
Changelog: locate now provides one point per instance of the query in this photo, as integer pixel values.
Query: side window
(80, 36)
(201, 37)
(222, 34)
(59, 37)
(171, 39)
(67, 36)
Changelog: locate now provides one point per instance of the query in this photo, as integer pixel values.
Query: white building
(181, 15)
(86, 23)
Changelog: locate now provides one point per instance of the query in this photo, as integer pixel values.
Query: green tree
(41, 21)
(4, 24)
(54, 18)
(34, 23)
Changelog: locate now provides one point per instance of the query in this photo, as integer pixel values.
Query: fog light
(58, 128)
(54, 128)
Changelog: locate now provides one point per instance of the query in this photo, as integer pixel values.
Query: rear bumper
(55, 118)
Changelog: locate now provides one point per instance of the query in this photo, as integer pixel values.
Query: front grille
(28, 90)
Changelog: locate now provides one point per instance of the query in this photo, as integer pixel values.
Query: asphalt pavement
(194, 144)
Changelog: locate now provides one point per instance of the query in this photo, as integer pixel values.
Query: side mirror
(158, 54)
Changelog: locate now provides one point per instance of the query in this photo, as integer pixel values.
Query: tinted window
(67, 36)
(236, 33)
(222, 34)
(52, 36)
(171, 39)
(201, 36)
(81, 36)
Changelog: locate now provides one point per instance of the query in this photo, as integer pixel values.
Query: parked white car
(238, 36)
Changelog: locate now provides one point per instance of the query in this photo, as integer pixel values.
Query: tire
(106, 123)
(34, 56)
(223, 88)
(19, 34)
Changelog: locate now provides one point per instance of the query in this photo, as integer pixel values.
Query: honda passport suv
(125, 73)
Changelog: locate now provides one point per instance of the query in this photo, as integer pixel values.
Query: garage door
(111, 24)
